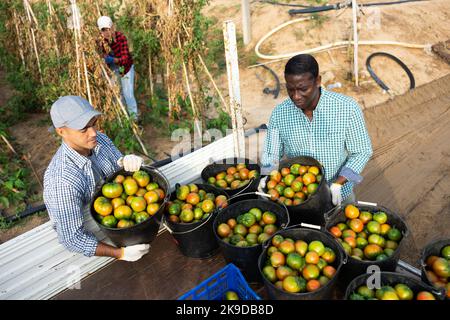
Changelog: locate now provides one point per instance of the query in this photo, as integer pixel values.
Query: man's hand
(109, 60)
(134, 253)
(130, 162)
(262, 184)
(336, 196)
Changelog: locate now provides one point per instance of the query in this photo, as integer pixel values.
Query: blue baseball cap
(73, 112)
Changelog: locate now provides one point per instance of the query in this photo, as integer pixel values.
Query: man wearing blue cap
(84, 159)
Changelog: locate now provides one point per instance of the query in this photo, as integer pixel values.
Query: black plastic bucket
(144, 232)
(355, 267)
(391, 279)
(308, 235)
(434, 248)
(196, 239)
(222, 165)
(246, 258)
(313, 210)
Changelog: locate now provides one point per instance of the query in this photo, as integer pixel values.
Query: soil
(409, 170)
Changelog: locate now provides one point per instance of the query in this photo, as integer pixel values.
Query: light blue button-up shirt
(336, 136)
(69, 184)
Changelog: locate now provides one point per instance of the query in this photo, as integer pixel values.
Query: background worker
(322, 124)
(84, 159)
(114, 48)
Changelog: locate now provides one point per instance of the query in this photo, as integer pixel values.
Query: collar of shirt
(78, 159)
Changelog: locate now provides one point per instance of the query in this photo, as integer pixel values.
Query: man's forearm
(105, 250)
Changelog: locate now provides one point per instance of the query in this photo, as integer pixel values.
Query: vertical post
(246, 23)
(229, 31)
(355, 41)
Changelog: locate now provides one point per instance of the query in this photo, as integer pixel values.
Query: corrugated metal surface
(35, 266)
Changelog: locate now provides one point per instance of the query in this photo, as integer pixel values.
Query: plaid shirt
(119, 47)
(337, 137)
(69, 185)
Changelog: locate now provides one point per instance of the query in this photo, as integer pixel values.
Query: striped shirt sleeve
(357, 143)
(64, 203)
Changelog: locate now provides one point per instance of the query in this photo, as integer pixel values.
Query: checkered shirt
(69, 185)
(337, 137)
(120, 49)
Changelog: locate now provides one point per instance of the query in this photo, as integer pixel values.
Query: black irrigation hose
(344, 4)
(284, 4)
(378, 80)
(28, 212)
(276, 90)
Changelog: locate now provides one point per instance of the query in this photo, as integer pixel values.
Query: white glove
(130, 162)
(336, 196)
(262, 184)
(134, 253)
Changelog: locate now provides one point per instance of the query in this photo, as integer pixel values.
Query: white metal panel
(35, 266)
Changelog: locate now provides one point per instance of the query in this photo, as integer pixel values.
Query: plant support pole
(77, 30)
(30, 15)
(229, 31)
(191, 99)
(19, 39)
(246, 21)
(355, 41)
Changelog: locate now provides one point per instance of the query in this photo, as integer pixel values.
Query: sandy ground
(417, 23)
(409, 172)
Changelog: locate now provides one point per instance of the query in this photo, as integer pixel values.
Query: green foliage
(14, 181)
(318, 19)
(122, 136)
(222, 122)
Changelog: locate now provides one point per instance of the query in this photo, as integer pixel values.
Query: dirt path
(415, 22)
(409, 171)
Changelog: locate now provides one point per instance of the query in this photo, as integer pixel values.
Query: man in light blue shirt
(325, 125)
(85, 157)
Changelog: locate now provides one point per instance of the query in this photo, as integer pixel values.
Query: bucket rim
(301, 294)
(422, 259)
(358, 278)
(284, 162)
(220, 240)
(340, 211)
(109, 178)
(194, 224)
(235, 160)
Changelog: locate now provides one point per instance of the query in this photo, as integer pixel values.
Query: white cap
(104, 22)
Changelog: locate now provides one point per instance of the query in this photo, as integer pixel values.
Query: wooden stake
(30, 14)
(226, 106)
(98, 9)
(77, 29)
(51, 13)
(19, 39)
(73, 7)
(150, 73)
(186, 77)
(168, 90)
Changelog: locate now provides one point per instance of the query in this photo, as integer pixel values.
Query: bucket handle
(266, 196)
(184, 232)
(305, 225)
(246, 187)
(364, 203)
